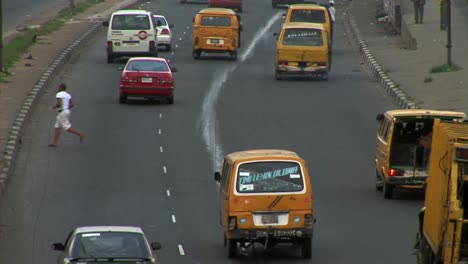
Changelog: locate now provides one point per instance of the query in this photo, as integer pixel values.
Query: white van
(131, 33)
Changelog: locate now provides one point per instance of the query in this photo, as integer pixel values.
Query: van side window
(216, 21)
(225, 176)
(383, 129)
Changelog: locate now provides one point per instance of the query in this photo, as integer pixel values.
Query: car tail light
(165, 31)
(308, 220)
(232, 222)
(282, 63)
(395, 172)
(196, 40)
(165, 80)
(130, 79)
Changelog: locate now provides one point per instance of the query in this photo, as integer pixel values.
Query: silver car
(105, 244)
(164, 35)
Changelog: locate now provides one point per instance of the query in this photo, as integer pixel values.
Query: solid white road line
(208, 114)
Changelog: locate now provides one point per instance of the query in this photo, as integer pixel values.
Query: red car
(147, 77)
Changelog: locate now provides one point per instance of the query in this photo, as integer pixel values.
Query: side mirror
(156, 246)
(171, 26)
(105, 23)
(379, 117)
(58, 246)
(275, 35)
(174, 69)
(217, 176)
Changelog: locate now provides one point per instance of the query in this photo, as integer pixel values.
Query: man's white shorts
(63, 120)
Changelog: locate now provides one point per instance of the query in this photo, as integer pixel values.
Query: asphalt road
(18, 13)
(152, 165)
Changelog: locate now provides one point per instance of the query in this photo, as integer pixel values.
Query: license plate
(269, 219)
(147, 80)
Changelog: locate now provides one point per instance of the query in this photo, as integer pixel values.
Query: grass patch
(445, 68)
(18, 46)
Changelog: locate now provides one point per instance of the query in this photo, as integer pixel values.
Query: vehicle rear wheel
(233, 55)
(170, 100)
(306, 248)
(278, 75)
(122, 99)
(231, 248)
(325, 76)
(168, 47)
(110, 58)
(387, 190)
(378, 182)
(196, 54)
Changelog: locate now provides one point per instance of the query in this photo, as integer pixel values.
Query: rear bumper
(146, 92)
(260, 234)
(164, 40)
(409, 182)
(301, 71)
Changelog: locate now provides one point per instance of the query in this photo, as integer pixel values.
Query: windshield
(110, 245)
(219, 21)
(306, 15)
(269, 176)
(147, 65)
(302, 37)
(130, 22)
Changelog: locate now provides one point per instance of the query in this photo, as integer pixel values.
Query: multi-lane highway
(152, 165)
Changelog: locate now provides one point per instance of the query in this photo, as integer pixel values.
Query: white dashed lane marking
(181, 250)
(173, 219)
(165, 169)
(159, 131)
(168, 193)
(160, 115)
(161, 149)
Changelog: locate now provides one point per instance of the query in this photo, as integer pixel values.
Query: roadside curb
(13, 142)
(398, 96)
